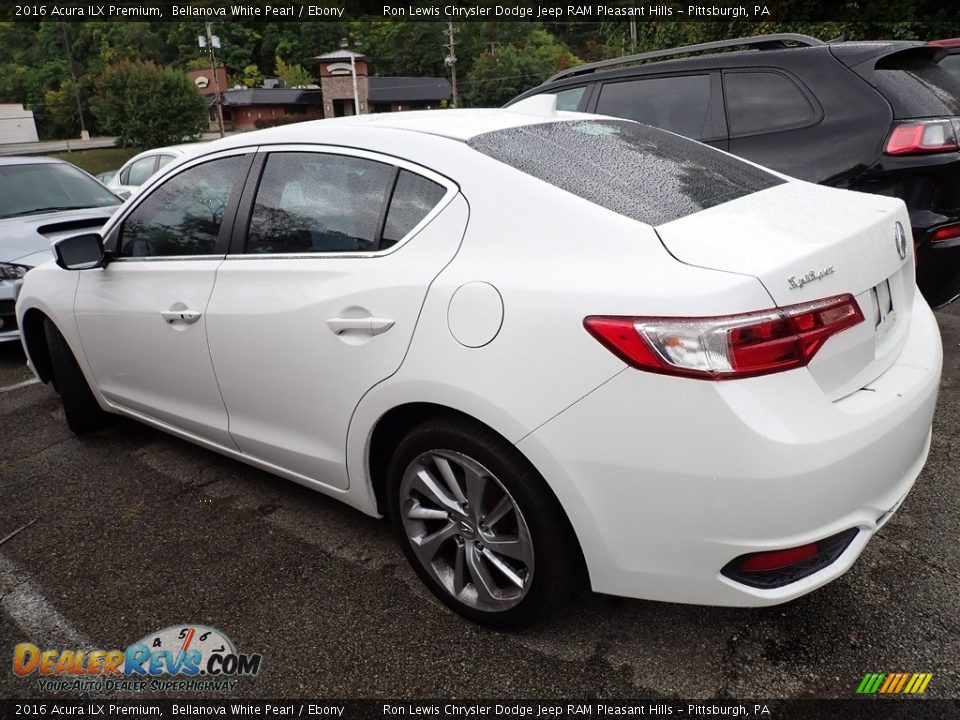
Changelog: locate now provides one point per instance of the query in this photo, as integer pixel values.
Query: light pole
(210, 42)
(345, 44)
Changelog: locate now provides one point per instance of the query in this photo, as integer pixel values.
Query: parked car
(106, 177)
(138, 169)
(41, 200)
(880, 117)
(541, 343)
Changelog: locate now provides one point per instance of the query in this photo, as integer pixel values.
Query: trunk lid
(806, 242)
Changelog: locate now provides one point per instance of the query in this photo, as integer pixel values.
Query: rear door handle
(367, 325)
(187, 316)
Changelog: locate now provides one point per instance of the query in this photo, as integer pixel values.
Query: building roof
(341, 54)
(407, 89)
(273, 96)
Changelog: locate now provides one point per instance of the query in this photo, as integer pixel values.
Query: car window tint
(764, 101)
(141, 170)
(678, 104)
(569, 99)
(183, 215)
(632, 169)
(413, 197)
(313, 202)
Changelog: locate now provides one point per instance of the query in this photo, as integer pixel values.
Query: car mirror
(122, 193)
(80, 252)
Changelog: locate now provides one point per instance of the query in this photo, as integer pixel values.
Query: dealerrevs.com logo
(180, 658)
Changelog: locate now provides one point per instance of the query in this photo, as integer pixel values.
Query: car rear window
(632, 169)
(916, 86)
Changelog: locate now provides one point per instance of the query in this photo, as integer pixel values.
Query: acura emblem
(901, 240)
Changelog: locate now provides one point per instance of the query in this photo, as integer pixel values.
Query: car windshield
(48, 187)
(635, 170)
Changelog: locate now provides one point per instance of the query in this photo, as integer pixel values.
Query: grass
(98, 160)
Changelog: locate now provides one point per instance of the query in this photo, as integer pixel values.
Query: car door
(141, 318)
(335, 252)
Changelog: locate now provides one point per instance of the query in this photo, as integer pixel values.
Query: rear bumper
(667, 480)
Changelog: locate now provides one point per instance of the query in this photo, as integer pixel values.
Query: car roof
(28, 160)
(453, 124)
(722, 59)
(182, 149)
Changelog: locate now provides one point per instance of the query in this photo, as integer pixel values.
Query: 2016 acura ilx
(550, 346)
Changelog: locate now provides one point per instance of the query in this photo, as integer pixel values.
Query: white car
(550, 346)
(138, 169)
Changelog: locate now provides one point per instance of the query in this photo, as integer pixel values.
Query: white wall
(16, 125)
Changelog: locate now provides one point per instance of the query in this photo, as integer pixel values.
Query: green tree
(293, 75)
(145, 105)
(505, 71)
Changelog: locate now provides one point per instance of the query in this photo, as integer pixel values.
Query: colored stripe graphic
(894, 683)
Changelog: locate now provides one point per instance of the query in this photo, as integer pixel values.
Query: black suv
(880, 117)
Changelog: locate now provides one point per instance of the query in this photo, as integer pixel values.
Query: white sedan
(137, 170)
(551, 347)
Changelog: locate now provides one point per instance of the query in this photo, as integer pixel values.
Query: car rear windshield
(635, 170)
(917, 86)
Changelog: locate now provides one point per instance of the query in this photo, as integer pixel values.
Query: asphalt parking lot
(136, 531)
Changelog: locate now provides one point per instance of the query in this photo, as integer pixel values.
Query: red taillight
(777, 559)
(947, 232)
(729, 346)
(924, 137)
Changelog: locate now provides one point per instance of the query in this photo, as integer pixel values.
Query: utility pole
(211, 41)
(84, 135)
(451, 59)
(345, 44)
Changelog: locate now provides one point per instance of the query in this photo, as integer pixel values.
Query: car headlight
(9, 271)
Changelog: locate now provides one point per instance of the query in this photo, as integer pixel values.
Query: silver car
(41, 201)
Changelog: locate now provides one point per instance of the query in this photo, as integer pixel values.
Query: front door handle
(366, 325)
(187, 316)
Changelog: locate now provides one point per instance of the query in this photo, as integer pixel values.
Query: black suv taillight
(924, 137)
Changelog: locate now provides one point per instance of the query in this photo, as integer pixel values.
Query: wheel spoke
(476, 486)
(482, 579)
(419, 512)
(460, 570)
(431, 489)
(505, 569)
(499, 511)
(512, 547)
(443, 465)
(428, 546)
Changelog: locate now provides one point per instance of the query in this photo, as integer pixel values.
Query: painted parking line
(16, 386)
(37, 619)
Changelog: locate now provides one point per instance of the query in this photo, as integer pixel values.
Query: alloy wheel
(466, 530)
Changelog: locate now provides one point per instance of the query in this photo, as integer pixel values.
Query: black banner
(927, 11)
(860, 709)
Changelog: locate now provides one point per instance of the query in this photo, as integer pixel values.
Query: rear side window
(569, 99)
(413, 197)
(314, 202)
(760, 102)
(635, 170)
(679, 104)
(141, 170)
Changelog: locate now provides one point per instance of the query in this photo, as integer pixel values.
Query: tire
(80, 407)
(505, 573)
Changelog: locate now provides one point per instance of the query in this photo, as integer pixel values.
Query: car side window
(317, 202)
(570, 99)
(141, 170)
(679, 104)
(183, 215)
(413, 198)
(764, 101)
(163, 160)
